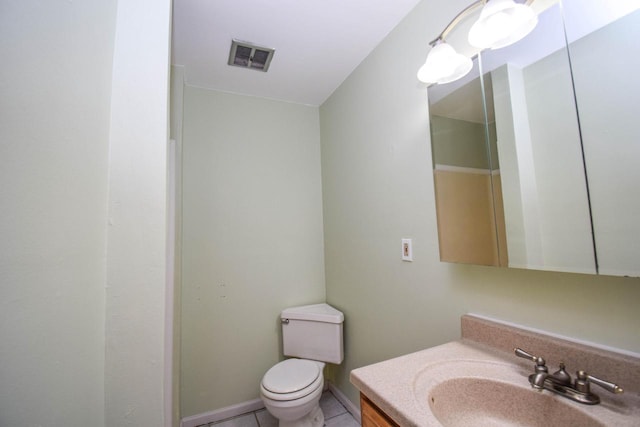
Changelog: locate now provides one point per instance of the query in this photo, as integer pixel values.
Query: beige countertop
(401, 386)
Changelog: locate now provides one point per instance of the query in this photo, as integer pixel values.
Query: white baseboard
(255, 405)
(222, 414)
(342, 398)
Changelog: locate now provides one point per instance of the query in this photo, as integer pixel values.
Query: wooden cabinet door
(372, 416)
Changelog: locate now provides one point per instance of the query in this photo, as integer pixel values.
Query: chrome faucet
(560, 382)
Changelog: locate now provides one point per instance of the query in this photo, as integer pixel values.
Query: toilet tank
(313, 332)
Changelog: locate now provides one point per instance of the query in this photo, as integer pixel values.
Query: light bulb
(502, 23)
(444, 65)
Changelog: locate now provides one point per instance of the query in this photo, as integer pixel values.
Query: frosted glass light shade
(502, 23)
(444, 65)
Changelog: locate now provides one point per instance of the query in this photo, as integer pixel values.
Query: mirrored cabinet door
(605, 56)
(547, 215)
(466, 174)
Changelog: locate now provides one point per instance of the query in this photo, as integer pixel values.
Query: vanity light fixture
(501, 23)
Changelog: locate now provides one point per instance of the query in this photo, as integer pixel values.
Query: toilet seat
(291, 379)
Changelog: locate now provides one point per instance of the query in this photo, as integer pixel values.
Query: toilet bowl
(291, 392)
(291, 389)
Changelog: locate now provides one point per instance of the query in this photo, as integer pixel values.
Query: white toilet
(291, 389)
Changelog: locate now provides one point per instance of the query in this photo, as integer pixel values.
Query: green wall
(378, 188)
(252, 239)
(458, 143)
(54, 127)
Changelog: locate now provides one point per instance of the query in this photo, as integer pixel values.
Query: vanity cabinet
(372, 416)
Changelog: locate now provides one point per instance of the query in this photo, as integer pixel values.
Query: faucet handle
(539, 361)
(583, 379)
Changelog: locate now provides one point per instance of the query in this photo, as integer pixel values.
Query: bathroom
(318, 216)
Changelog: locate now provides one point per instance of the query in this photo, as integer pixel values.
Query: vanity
(479, 380)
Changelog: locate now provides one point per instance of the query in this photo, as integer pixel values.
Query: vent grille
(248, 55)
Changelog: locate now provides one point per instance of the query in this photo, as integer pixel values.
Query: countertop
(397, 386)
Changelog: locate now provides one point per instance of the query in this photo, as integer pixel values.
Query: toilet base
(302, 412)
(315, 418)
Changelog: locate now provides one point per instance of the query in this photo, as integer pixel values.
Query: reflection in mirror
(466, 174)
(547, 215)
(605, 57)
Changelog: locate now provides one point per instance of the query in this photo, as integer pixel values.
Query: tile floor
(335, 415)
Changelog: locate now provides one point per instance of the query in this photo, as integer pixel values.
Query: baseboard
(222, 413)
(348, 404)
(255, 405)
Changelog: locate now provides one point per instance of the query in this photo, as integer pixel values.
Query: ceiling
(317, 43)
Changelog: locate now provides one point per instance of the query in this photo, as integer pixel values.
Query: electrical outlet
(407, 251)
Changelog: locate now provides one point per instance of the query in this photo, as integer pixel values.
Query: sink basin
(464, 402)
(460, 393)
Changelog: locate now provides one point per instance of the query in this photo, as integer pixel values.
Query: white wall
(55, 85)
(252, 239)
(378, 188)
(135, 334)
(519, 188)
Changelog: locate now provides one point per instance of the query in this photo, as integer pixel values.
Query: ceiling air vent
(248, 55)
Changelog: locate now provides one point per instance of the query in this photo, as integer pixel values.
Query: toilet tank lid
(314, 312)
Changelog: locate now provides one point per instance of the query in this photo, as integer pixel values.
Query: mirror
(465, 165)
(544, 192)
(605, 55)
(550, 207)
